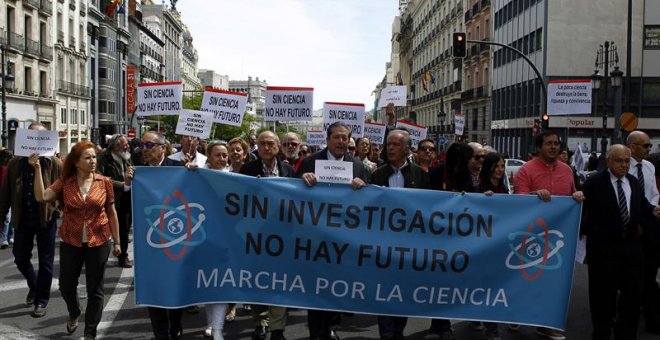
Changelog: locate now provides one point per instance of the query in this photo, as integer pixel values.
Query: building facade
(256, 90)
(209, 78)
(189, 67)
(172, 36)
(28, 49)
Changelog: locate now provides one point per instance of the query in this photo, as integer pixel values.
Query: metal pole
(629, 56)
(4, 100)
(618, 93)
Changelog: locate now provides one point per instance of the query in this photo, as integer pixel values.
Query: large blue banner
(208, 236)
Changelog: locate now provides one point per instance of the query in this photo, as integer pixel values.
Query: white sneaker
(208, 332)
(4, 244)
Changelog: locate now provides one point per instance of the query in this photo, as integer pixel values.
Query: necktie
(640, 176)
(623, 207)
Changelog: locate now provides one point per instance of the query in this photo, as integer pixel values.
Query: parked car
(511, 167)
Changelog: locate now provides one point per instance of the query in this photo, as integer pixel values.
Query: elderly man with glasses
(291, 149)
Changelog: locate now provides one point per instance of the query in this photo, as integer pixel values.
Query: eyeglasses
(351, 148)
(426, 148)
(647, 145)
(291, 144)
(148, 145)
(478, 157)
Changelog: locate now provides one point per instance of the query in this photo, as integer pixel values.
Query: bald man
(613, 207)
(640, 145)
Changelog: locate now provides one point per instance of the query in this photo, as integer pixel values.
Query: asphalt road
(122, 319)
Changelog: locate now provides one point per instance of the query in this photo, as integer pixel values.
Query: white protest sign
(567, 97)
(227, 107)
(393, 94)
(42, 142)
(417, 132)
(375, 132)
(194, 123)
(288, 104)
(349, 113)
(333, 171)
(315, 138)
(159, 99)
(459, 124)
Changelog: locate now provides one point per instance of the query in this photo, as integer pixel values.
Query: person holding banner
(31, 219)
(398, 173)
(166, 323)
(268, 165)
(189, 152)
(89, 222)
(545, 176)
(321, 323)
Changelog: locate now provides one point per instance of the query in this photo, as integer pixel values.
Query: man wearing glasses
(640, 145)
(291, 149)
(545, 176)
(425, 154)
(476, 162)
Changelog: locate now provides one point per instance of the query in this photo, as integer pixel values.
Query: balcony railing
(46, 7)
(32, 46)
(108, 117)
(32, 3)
(15, 41)
(75, 89)
(47, 52)
(468, 15)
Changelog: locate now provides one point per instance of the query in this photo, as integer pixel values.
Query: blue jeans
(7, 230)
(39, 283)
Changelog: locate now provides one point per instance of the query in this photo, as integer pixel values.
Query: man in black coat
(321, 323)
(613, 207)
(166, 323)
(398, 173)
(268, 165)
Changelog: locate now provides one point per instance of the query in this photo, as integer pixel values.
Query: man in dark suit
(613, 207)
(115, 162)
(321, 323)
(166, 323)
(268, 165)
(398, 173)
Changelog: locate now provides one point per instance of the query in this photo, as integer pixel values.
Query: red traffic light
(545, 117)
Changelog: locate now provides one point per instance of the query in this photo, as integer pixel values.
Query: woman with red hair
(89, 223)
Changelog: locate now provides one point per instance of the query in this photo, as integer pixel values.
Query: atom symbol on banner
(537, 250)
(175, 226)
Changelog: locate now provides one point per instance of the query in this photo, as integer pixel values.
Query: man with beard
(291, 150)
(115, 163)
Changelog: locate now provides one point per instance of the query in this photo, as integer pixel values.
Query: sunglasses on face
(148, 145)
(292, 145)
(478, 157)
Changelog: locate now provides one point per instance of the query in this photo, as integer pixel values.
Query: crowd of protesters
(90, 191)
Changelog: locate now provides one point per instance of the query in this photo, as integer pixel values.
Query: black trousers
(651, 295)
(165, 322)
(72, 259)
(615, 289)
(124, 218)
(321, 322)
(391, 326)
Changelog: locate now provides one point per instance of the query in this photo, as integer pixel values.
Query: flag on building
(112, 7)
(432, 79)
(425, 80)
(122, 7)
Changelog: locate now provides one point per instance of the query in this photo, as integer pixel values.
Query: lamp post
(5, 77)
(617, 78)
(596, 80)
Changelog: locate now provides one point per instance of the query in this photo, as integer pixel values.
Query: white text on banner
(41, 142)
(195, 123)
(417, 132)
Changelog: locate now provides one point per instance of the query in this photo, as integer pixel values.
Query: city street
(122, 319)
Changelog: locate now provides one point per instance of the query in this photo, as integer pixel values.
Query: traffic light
(545, 119)
(459, 43)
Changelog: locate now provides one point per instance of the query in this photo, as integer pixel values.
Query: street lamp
(140, 120)
(617, 79)
(10, 78)
(596, 80)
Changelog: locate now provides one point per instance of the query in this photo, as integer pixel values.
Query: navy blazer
(602, 221)
(309, 164)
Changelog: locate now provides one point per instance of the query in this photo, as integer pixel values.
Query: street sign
(442, 140)
(628, 121)
(131, 134)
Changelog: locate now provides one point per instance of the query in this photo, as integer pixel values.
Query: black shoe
(260, 333)
(124, 262)
(447, 335)
(38, 311)
(176, 334)
(277, 335)
(29, 300)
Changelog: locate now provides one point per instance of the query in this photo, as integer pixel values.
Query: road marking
(116, 301)
(9, 332)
